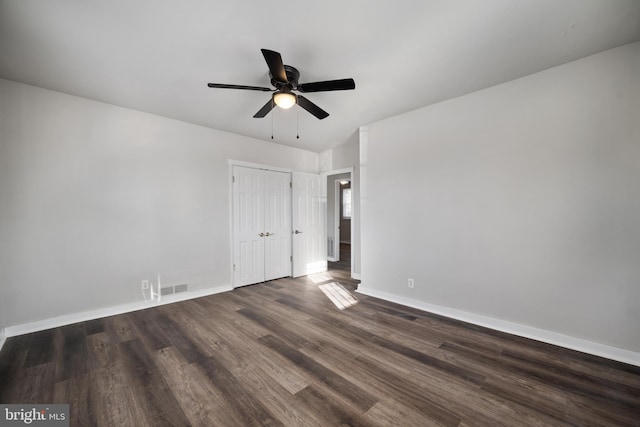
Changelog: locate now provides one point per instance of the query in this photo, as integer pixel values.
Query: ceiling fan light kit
(284, 100)
(285, 80)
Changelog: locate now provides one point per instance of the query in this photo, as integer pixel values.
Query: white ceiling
(158, 55)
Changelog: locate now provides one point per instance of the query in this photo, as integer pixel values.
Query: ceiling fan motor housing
(292, 76)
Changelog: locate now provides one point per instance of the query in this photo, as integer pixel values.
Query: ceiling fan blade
(312, 108)
(274, 61)
(329, 85)
(265, 109)
(225, 86)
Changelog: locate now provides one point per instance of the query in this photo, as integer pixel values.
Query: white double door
(261, 225)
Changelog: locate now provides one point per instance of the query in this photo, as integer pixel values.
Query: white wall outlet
(145, 285)
(410, 283)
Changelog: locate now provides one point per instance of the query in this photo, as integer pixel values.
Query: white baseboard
(355, 276)
(585, 346)
(331, 259)
(68, 319)
(3, 338)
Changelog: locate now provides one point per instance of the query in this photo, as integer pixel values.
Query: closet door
(277, 225)
(261, 225)
(248, 226)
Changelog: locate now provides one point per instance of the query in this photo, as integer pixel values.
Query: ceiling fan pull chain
(272, 118)
(298, 123)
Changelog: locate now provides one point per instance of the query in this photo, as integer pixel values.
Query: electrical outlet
(145, 285)
(411, 283)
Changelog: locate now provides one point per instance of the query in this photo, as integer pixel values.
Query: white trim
(241, 163)
(258, 166)
(337, 171)
(354, 222)
(232, 164)
(3, 338)
(597, 349)
(231, 235)
(355, 276)
(68, 319)
(336, 218)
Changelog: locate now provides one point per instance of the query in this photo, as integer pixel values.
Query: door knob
(297, 231)
(261, 234)
(269, 234)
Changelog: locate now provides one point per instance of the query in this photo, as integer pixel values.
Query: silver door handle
(261, 234)
(298, 232)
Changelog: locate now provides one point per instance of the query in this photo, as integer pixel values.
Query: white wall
(520, 202)
(96, 198)
(345, 156)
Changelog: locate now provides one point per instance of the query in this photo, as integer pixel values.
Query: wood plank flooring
(280, 353)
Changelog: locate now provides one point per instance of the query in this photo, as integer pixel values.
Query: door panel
(308, 219)
(277, 223)
(248, 208)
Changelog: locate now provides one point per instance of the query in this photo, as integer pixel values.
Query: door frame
(336, 225)
(325, 177)
(336, 214)
(231, 163)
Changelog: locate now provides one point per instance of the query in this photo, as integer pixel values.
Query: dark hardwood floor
(281, 353)
(344, 264)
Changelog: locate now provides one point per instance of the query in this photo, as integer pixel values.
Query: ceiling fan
(285, 80)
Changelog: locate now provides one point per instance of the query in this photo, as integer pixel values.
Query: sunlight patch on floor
(320, 277)
(338, 295)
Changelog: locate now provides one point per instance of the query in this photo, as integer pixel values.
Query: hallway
(341, 270)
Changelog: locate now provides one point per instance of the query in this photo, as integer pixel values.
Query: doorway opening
(340, 212)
